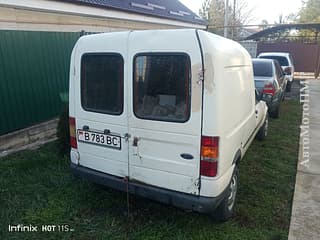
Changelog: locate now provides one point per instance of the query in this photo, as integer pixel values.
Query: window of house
(162, 87)
(102, 83)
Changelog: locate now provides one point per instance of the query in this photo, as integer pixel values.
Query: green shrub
(63, 133)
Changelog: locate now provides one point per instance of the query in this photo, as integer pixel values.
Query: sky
(262, 9)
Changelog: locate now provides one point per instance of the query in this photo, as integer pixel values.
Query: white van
(164, 114)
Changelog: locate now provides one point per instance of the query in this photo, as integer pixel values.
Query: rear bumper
(178, 199)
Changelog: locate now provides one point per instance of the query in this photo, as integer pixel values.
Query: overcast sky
(263, 9)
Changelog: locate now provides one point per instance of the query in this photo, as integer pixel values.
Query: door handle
(135, 142)
(186, 156)
(135, 146)
(85, 128)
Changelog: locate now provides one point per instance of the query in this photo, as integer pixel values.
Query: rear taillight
(73, 134)
(209, 156)
(269, 89)
(288, 70)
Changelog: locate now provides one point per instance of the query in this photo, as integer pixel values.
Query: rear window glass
(162, 87)
(102, 83)
(259, 84)
(262, 69)
(282, 60)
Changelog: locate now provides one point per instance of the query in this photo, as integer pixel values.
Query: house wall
(19, 19)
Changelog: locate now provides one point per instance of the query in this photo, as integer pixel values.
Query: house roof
(169, 9)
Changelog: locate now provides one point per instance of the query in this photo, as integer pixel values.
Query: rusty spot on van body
(196, 96)
(209, 73)
(133, 180)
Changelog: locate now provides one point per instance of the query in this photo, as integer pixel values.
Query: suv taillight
(269, 89)
(73, 134)
(288, 70)
(209, 156)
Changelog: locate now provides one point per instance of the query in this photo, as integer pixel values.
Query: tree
(286, 19)
(310, 12)
(204, 11)
(214, 11)
(264, 24)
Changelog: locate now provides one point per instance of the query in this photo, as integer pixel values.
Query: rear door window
(259, 84)
(282, 60)
(162, 87)
(102, 83)
(262, 69)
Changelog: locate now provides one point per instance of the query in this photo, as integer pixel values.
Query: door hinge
(200, 76)
(126, 137)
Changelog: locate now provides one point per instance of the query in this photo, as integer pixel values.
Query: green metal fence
(34, 71)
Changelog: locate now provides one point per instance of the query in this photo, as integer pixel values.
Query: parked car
(270, 81)
(164, 114)
(286, 63)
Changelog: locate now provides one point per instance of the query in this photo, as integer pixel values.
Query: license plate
(101, 139)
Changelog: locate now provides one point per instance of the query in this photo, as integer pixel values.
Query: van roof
(220, 51)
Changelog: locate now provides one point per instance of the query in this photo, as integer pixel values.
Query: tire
(275, 113)
(263, 131)
(226, 208)
(288, 88)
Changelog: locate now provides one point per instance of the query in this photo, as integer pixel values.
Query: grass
(36, 187)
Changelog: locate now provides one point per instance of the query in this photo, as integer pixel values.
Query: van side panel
(72, 111)
(228, 104)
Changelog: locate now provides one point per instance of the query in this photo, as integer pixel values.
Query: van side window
(102, 83)
(162, 87)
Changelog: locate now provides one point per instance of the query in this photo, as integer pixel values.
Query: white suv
(285, 61)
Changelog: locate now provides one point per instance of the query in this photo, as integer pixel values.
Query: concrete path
(305, 219)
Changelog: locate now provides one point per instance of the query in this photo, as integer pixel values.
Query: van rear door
(165, 109)
(100, 103)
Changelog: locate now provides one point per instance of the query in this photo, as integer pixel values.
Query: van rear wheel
(226, 208)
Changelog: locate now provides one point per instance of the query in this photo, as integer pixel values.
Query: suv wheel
(275, 113)
(288, 88)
